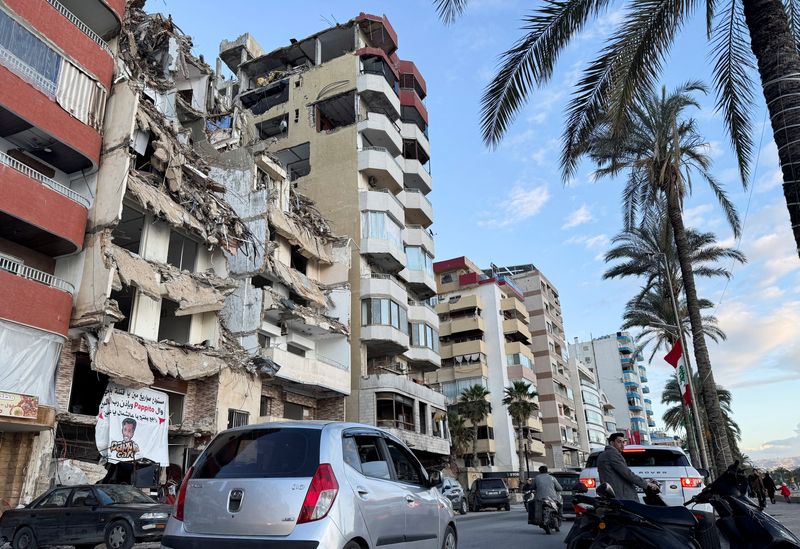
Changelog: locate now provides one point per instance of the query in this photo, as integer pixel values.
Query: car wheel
(449, 541)
(352, 545)
(24, 539)
(463, 509)
(119, 535)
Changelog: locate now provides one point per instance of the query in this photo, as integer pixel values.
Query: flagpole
(685, 355)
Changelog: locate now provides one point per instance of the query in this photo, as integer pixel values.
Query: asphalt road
(506, 529)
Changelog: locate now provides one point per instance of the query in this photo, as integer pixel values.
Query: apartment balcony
(643, 376)
(483, 446)
(625, 348)
(630, 380)
(417, 235)
(412, 107)
(420, 281)
(516, 330)
(450, 350)
(419, 210)
(34, 298)
(423, 358)
(409, 130)
(535, 447)
(645, 389)
(463, 303)
(382, 285)
(39, 213)
(516, 347)
(515, 307)
(422, 312)
(386, 253)
(379, 94)
(381, 169)
(380, 131)
(319, 374)
(381, 201)
(470, 324)
(383, 339)
(635, 407)
(520, 372)
(415, 176)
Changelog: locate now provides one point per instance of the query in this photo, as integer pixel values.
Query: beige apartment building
(483, 329)
(558, 383)
(347, 118)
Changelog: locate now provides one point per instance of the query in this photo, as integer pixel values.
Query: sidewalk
(787, 513)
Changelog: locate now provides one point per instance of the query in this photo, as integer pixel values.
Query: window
(44, 62)
(125, 298)
(385, 312)
(423, 418)
(295, 350)
(128, 232)
(590, 398)
(593, 417)
(611, 427)
(265, 406)
(57, 498)
(237, 418)
(298, 261)
(485, 433)
(406, 466)
(264, 340)
(448, 278)
(395, 411)
(296, 411)
(174, 328)
(649, 458)
(79, 497)
(336, 112)
(519, 358)
(380, 226)
(371, 462)
(597, 437)
(176, 401)
(88, 387)
(417, 259)
(423, 335)
(182, 252)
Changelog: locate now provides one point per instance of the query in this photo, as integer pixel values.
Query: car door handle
(362, 492)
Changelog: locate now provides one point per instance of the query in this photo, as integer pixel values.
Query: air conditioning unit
(401, 367)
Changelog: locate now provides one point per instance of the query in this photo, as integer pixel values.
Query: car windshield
(648, 458)
(567, 482)
(110, 495)
(492, 484)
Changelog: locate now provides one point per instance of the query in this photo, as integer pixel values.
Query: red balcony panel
(409, 98)
(379, 31)
(44, 209)
(34, 304)
(408, 67)
(82, 49)
(27, 102)
(450, 264)
(118, 7)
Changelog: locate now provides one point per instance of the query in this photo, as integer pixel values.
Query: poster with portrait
(133, 424)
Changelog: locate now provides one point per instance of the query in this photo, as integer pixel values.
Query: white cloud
(591, 242)
(697, 216)
(578, 217)
(786, 447)
(520, 203)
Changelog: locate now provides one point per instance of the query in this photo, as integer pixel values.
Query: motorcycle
(606, 522)
(551, 516)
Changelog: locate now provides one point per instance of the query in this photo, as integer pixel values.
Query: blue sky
(510, 206)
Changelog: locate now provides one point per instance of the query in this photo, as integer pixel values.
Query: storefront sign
(133, 424)
(21, 406)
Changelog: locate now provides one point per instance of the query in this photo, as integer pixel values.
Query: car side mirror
(606, 491)
(91, 501)
(703, 472)
(434, 479)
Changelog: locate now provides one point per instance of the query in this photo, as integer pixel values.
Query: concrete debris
(300, 233)
(124, 360)
(158, 202)
(135, 271)
(192, 295)
(304, 286)
(181, 363)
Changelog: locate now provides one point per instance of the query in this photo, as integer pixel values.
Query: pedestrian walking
(769, 486)
(786, 493)
(757, 488)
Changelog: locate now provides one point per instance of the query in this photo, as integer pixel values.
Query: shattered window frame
(182, 255)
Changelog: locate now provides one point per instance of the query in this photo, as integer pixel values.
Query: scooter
(551, 516)
(606, 522)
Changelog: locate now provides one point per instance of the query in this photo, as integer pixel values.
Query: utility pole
(685, 355)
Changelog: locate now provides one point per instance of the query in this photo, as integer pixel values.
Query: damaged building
(347, 119)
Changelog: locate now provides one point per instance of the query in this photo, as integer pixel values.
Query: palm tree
(459, 436)
(661, 150)
(473, 405)
(675, 416)
(519, 401)
(632, 59)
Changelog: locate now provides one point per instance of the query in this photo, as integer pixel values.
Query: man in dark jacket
(611, 468)
(769, 485)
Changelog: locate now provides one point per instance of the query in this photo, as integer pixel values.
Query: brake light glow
(181, 499)
(691, 482)
(634, 450)
(589, 482)
(320, 496)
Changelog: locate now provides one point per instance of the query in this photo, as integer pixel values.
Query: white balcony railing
(20, 269)
(33, 174)
(63, 10)
(26, 72)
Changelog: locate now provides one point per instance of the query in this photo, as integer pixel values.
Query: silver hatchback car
(309, 484)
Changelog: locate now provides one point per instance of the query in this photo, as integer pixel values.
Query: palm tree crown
(473, 405)
(519, 399)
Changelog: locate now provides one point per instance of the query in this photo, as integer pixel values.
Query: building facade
(598, 421)
(484, 341)
(56, 71)
(622, 376)
(347, 118)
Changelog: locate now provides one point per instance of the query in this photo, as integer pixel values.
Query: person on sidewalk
(786, 493)
(545, 486)
(757, 488)
(769, 486)
(611, 468)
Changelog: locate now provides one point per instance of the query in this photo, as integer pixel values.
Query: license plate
(493, 492)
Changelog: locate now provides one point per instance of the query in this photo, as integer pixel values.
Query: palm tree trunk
(775, 48)
(475, 445)
(721, 452)
(520, 453)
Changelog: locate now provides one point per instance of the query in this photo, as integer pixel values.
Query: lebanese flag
(675, 358)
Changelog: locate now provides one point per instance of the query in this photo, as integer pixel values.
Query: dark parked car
(488, 492)
(567, 480)
(452, 490)
(84, 516)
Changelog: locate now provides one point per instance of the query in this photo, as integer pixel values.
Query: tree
(519, 401)
(473, 405)
(632, 59)
(459, 435)
(660, 151)
(675, 417)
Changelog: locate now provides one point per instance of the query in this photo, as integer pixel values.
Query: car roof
(644, 447)
(313, 424)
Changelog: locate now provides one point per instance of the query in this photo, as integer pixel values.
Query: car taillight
(691, 482)
(179, 502)
(579, 509)
(589, 482)
(320, 496)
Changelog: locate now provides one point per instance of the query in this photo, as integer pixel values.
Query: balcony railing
(20, 269)
(331, 362)
(33, 174)
(62, 9)
(387, 151)
(26, 72)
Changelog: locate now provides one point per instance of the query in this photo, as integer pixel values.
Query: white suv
(668, 465)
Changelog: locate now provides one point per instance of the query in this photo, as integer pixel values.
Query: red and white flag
(675, 357)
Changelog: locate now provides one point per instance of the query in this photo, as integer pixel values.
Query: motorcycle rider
(611, 468)
(527, 491)
(545, 486)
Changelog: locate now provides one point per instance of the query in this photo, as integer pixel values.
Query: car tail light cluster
(181, 499)
(320, 496)
(589, 482)
(691, 482)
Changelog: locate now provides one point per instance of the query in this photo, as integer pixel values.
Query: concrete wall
(238, 391)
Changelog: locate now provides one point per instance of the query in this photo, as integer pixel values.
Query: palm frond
(450, 10)
(793, 12)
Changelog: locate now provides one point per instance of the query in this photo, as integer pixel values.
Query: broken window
(174, 328)
(336, 42)
(413, 151)
(261, 282)
(265, 406)
(87, 389)
(237, 418)
(274, 127)
(296, 411)
(296, 160)
(336, 112)
(182, 251)
(125, 300)
(423, 418)
(176, 401)
(263, 342)
(75, 442)
(395, 411)
(295, 350)
(260, 100)
(298, 261)
(128, 232)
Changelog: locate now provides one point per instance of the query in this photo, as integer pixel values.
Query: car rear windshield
(648, 458)
(492, 484)
(261, 453)
(121, 494)
(567, 482)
